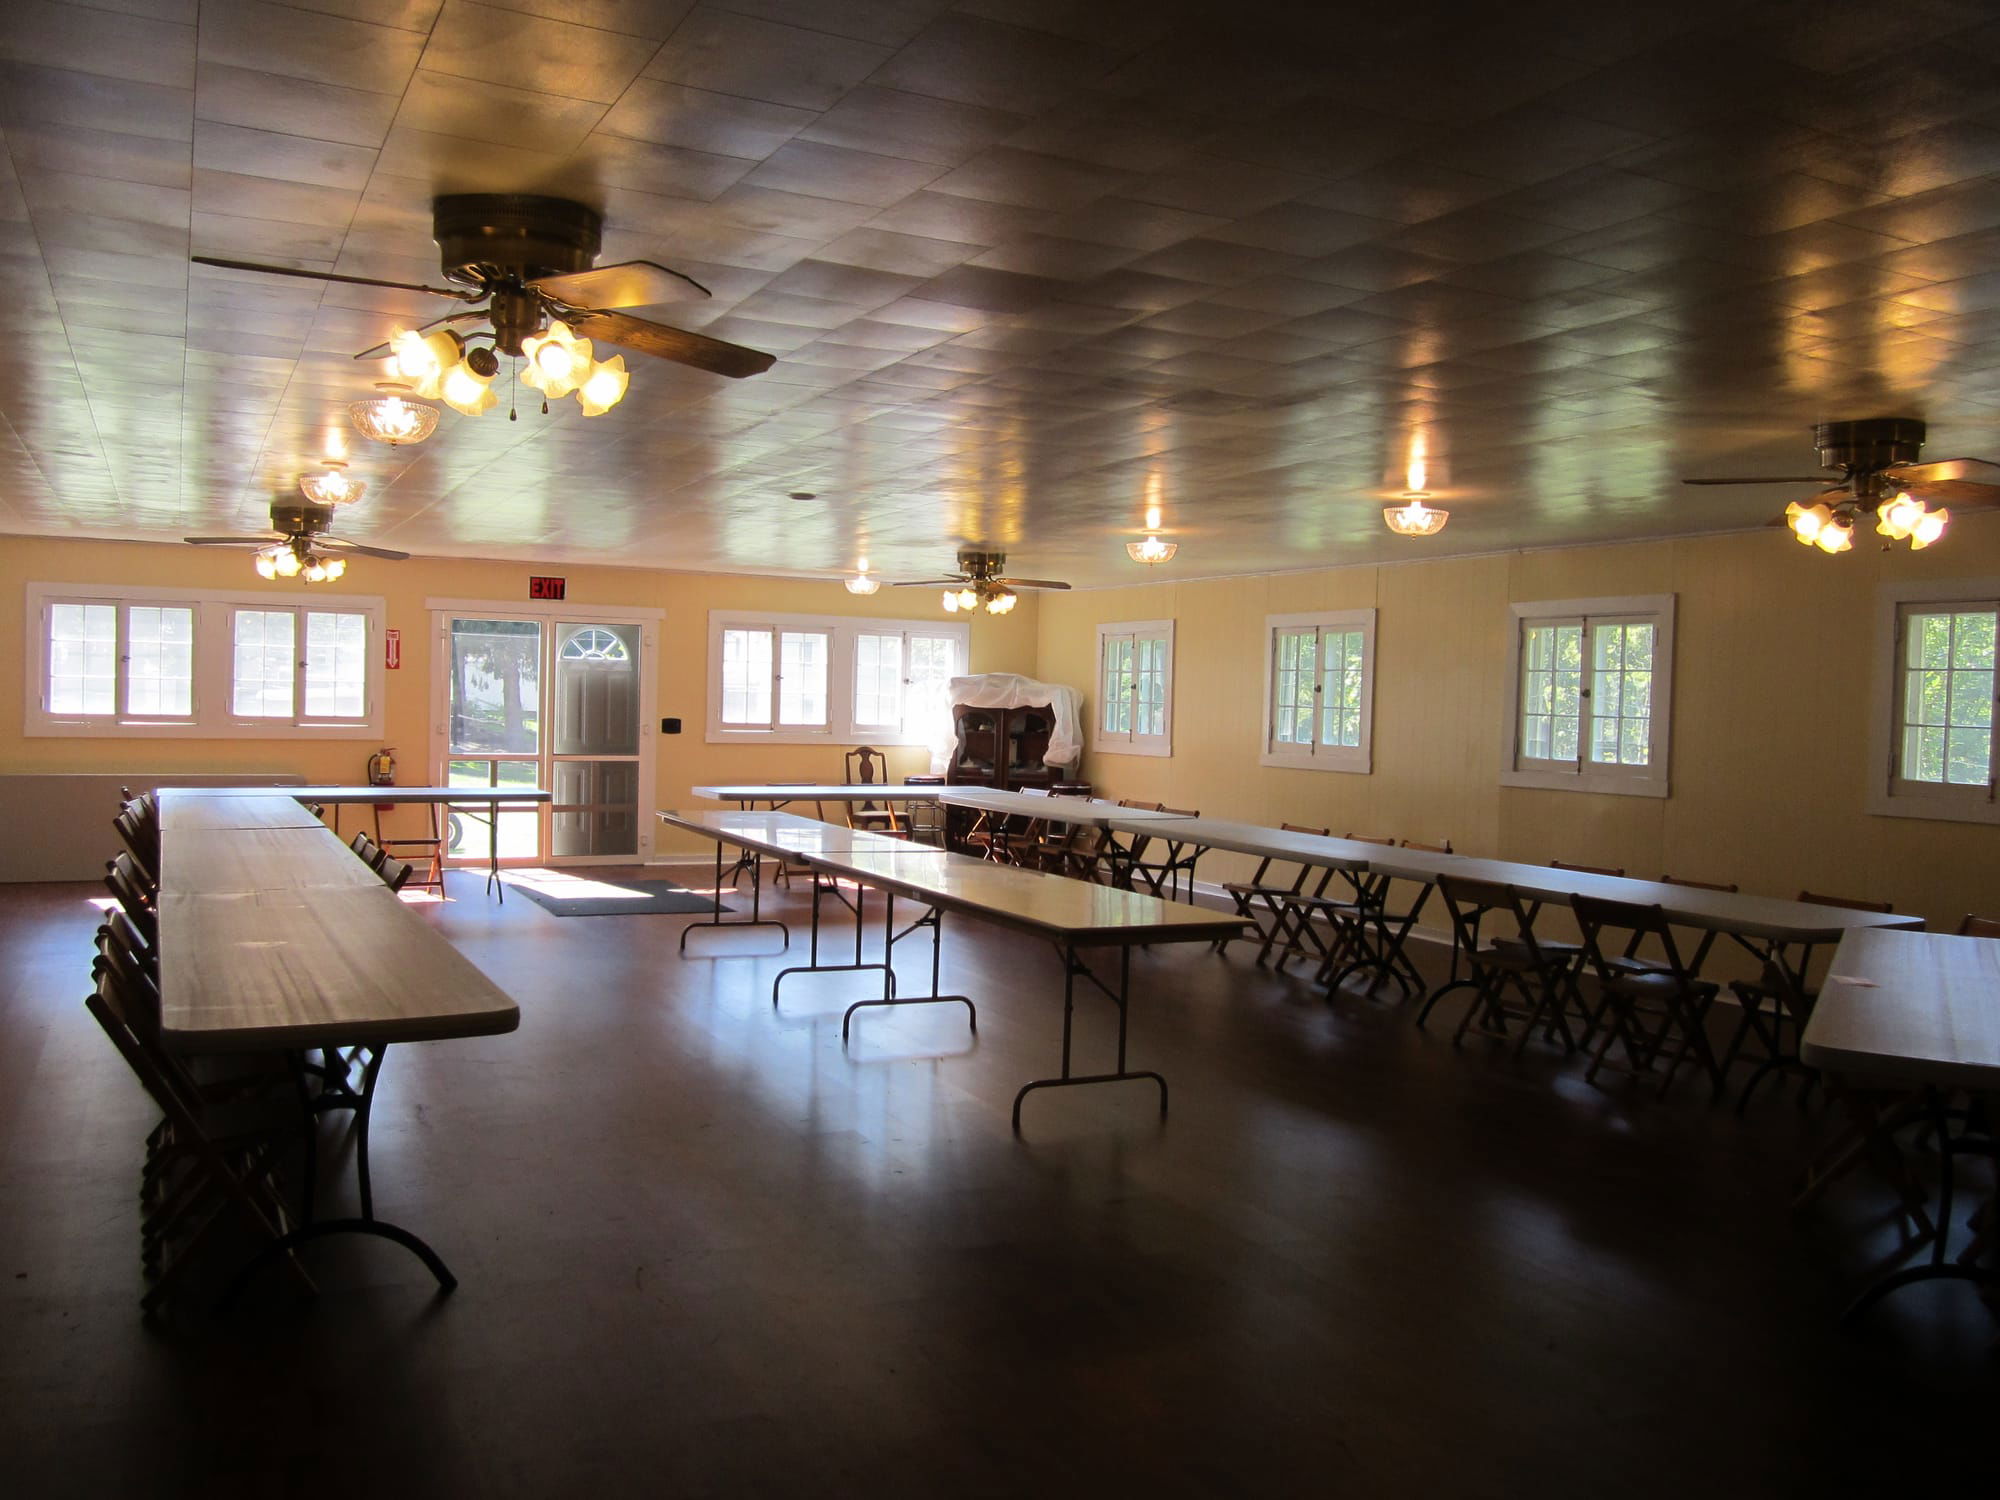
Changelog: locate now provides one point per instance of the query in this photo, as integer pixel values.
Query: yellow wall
(1005, 644)
(1773, 704)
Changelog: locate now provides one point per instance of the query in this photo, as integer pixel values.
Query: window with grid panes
(805, 678)
(1135, 686)
(301, 665)
(1589, 705)
(115, 661)
(1942, 737)
(1319, 689)
(111, 659)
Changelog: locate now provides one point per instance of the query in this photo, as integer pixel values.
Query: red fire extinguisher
(382, 767)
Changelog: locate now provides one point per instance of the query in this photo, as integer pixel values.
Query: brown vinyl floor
(705, 1250)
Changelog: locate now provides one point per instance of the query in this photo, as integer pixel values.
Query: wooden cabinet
(1002, 747)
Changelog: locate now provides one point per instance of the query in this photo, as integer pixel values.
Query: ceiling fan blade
(695, 349)
(1947, 470)
(630, 283)
(930, 583)
(234, 541)
(1959, 492)
(462, 294)
(1031, 583)
(334, 542)
(1770, 479)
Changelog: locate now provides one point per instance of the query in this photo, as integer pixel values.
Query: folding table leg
(814, 966)
(756, 917)
(1121, 997)
(933, 919)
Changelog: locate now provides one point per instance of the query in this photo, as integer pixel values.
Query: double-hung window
(1590, 695)
(902, 682)
(110, 659)
(1939, 758)
(298, 665)
(773, 678)
(798, 678)
(1319, 690)
(1135, 688)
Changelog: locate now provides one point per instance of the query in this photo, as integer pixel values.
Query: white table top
(383, 794)
(1089, 811)
(1765, 917)
(778, 791)
(1910, 1008)
(1248, 838)
(785, 835)
(1049, 906)
(309, 965)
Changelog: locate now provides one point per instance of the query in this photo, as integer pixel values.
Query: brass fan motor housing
(519, 236)
(1868, 445)
(296, 518)
(980, 565)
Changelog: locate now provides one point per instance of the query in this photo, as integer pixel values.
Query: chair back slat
(1444, 848)
(1851, 903)
(1982, 927)
(1557, 864)
(1729, 889)
(1597, 917)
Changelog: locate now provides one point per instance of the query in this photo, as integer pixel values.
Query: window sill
(1935, 809)
(1606, 786)
(1162, 749)
(1353, 764)
(79, 729)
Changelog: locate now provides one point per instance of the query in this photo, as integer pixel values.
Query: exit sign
(547, 588)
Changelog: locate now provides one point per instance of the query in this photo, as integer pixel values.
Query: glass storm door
(495, 737)
(593, 740)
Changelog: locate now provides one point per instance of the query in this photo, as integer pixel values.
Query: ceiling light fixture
(1902, 518)
(333, 487)
(861, 583)
(1151, 551)
(1829, 528)
(391, 419)
(299, 558)
(1415, 518)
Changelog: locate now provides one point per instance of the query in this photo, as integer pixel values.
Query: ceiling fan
(1879, 472)
(978, 583)
(523, 264)
(298, 544)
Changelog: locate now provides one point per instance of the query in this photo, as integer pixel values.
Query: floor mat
(568, 894)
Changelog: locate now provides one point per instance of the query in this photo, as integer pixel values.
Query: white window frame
(901, 732)
(841, 630)
(1888, 794)
(121, 714)
(299, 718)
(214, 620)
(1132, 741)
(1354, 759)
(1583, 775)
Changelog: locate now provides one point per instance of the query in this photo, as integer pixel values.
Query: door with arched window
(528, 698)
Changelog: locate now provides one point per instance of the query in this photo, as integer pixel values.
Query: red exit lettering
(547, 588)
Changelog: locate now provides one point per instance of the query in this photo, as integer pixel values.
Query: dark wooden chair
(1513, 978)
(1771, 1010)
(1270, 894)
(1162, 876)
(867, 766)
(1979, 927)
(1646, 1010)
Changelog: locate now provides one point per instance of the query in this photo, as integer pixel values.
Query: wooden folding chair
(1513, 978)
(1262, 891)
(395, 872)
(1372, 936)
(218, 1166)
(134, 895)
(1769, 1010)
(1163, 876)
(1645, 1009)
